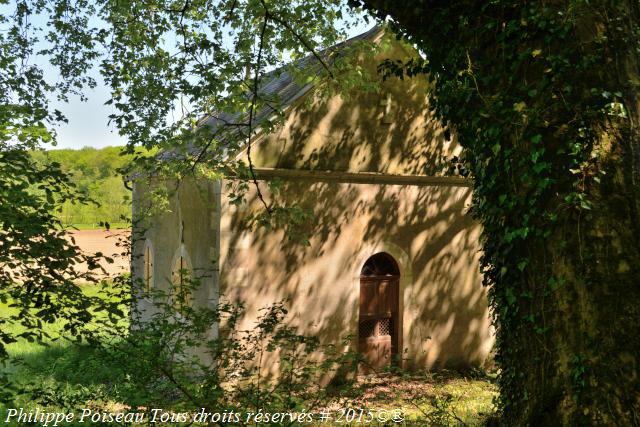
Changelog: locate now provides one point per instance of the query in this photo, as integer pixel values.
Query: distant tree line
(95, 174)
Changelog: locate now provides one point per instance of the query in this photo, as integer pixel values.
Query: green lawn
(73, 371)
(433, 398)
(78, 373)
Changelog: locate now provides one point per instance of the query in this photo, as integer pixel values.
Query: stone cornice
(361, 177)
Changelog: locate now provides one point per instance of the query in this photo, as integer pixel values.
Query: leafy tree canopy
(169, 64)
(543, 96)
(95, 174)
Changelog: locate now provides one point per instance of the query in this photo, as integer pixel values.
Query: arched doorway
(378, 322)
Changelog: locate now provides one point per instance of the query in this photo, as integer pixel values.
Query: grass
(78, 373)
(433, 398)
(57, 365)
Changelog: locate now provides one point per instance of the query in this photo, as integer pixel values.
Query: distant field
(98, 226)
(112, 243)
(94, 173)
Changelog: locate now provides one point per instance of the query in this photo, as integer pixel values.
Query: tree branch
(256, 80)
(301, 39)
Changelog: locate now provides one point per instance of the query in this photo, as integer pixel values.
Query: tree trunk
(545, 99)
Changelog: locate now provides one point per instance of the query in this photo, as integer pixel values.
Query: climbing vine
(538, 95)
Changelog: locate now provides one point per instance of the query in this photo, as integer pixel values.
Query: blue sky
(88, 121)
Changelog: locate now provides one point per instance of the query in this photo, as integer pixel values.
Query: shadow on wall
(445, 309)
(446, 316)
(388, 132)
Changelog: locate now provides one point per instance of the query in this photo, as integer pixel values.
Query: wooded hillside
(95, 174)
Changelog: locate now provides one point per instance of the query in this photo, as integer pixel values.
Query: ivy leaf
(520, 106)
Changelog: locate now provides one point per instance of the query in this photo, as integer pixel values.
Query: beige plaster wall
(445, 319)
(187, 225)
(436, 244)
(391, 131)
(425, 227)
(388, 131)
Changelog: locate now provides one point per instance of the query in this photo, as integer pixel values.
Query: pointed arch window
(148, 266)
(181, 279)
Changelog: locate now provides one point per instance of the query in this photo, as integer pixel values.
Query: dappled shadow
(423, 225)
(389, 131)
(445, 309)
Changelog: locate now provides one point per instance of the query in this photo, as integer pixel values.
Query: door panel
(378, 320)
(368, 298)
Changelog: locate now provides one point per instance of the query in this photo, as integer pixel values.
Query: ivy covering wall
(544, 98)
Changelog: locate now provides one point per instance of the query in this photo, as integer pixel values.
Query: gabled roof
(279, 85)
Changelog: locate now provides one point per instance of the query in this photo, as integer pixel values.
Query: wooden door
(378, 326)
